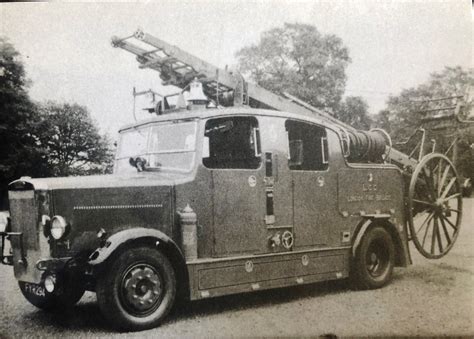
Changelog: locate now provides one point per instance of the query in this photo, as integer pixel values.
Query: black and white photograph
(243, 168)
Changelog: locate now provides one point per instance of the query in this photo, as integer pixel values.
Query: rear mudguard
(403, 257)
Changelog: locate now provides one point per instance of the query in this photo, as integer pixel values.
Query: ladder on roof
(225, 87)
(228, 88)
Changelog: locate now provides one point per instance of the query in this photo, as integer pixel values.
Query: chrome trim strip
(257, 256)
(114, 207)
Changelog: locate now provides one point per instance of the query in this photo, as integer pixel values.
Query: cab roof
(222, 112)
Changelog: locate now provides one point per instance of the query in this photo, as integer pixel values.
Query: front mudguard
(121, 240)
(115, 244)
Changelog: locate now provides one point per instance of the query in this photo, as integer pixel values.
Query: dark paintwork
(233, 227)
(214, 278)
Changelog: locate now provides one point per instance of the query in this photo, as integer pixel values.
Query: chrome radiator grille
(24, 217)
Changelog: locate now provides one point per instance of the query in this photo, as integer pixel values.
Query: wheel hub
(373, 263)
(141, 288)
(377, 258)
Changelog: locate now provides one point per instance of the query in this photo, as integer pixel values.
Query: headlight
(58, 227)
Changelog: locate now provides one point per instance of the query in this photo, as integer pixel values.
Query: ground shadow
(258, 299)
(86, 316)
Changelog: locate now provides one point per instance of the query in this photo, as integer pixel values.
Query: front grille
(23, 214)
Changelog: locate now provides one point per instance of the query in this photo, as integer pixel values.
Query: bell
(196, 98)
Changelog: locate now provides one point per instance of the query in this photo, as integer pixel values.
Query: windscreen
(168, 146)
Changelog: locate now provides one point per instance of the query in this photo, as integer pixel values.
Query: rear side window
(308, 148)
(233, 143)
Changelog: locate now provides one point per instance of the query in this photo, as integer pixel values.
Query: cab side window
(308, 148)
(233, 143)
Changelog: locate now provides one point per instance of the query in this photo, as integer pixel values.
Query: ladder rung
(156, 61)
(168, 60)
(180, 67)
(190, 74)
(152, 51)
(150, 63)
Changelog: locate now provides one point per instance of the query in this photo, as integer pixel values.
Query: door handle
(275, 166)
(271, 166)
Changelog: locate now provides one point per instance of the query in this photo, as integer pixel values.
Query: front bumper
(7, 259)
(52, 265)
(33, 271)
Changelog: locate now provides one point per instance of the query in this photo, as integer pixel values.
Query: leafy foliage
(354, 111)
(411, 108)
(20, 153)
(404, 112)
(73, 142)
(42, 140)
(298, 59)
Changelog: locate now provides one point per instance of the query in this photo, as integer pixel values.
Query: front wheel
(137, 290)
(374, 260)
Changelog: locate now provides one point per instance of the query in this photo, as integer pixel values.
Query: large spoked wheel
(434, 206)
(138, 290)
(373, 264)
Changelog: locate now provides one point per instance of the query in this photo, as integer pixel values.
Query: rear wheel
(137, 290)
(374, 260)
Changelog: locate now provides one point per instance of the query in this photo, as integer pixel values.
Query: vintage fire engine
(237, 190)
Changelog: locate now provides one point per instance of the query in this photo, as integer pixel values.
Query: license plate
(35, 289)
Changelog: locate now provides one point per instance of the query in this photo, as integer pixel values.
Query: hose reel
(369, 146)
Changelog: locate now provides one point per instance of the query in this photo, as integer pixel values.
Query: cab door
(314, 184)
(235, 161)
(278, 186)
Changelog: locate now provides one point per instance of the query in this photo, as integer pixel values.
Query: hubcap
(376, 259)
(141, 289)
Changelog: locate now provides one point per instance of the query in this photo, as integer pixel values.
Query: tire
(137, 290)
(373, 264)
(63, 298)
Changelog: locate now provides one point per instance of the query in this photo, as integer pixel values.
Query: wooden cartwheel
(434, 206)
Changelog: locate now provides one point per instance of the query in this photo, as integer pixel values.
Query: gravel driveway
(428, 298)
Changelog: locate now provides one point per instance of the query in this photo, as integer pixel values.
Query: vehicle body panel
(241, 213)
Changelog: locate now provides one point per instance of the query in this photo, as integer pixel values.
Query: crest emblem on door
(287, 239)
(249, 266)
(252, 181)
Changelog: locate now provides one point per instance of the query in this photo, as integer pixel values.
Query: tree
(354, 111)
(405, 113)
(298, 59)
(73, 142)
(42, 140)
(20, 153)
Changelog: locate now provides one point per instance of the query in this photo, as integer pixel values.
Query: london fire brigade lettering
(383, 197)
(369, 197)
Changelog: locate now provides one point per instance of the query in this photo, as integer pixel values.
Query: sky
(68, 56)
